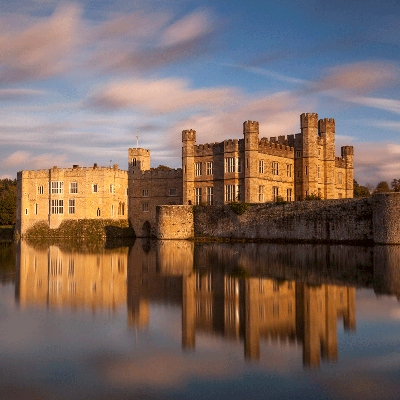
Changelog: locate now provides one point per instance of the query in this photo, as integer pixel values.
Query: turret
(188, 142)
(348, 156)
(138, 160)
(250, 132)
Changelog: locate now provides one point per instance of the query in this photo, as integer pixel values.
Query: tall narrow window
(95, 188)
(306, 170)
(297, 153)
(209, 168)
(319, 171)
(239, 193)
(229, 193)
(36, 208)
(40, 189)
(289, 170)
(145, 207)
(261, 194)
(289, 195)
(340, 178)
(275, 170)
(98, 212)
(275, 193)
(239, 164)
(229, 164)
(73, 187)
(210, 195)
(112, 189)
(71, 206)
(145, 192)
(197, 196)
(112, 210)
(197, 169)
(261, 166)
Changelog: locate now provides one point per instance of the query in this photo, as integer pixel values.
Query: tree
(395, 184)
(360, 191)
(8, 201)
(382, 187)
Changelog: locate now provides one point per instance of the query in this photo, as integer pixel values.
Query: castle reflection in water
(249, 293)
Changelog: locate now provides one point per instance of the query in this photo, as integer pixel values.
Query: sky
(79, 79)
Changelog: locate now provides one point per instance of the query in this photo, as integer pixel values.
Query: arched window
(98, 212)
(134, 162)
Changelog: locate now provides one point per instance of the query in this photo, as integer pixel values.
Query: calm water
(174, 320)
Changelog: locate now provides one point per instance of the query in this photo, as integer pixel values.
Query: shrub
(239, 208)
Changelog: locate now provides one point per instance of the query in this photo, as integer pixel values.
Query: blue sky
(78, 78)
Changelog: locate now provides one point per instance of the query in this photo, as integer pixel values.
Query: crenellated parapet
(309, 120)
(250, 127)
(189, 135)
(340, 162)
(156, 173)
(276, 148)
(326, 126)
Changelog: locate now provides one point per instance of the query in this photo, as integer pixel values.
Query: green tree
(382, 187)
(360, 191)
(8, 201)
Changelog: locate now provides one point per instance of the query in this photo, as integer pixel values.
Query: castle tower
(306, 157)
(138, 160)
(188, 312)
(326, 129)
(329, 341)
(188, 142)
(250, 132)
(252, 320)
(348, 156)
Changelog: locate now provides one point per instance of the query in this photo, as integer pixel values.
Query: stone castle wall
(348, 220)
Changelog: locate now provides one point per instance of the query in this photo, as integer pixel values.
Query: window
(121, 208)
(229, 192)
(71, 206)
(26, 211)
(306, 170)
(261, 285)
(229, 164)
(239, 165)
(275, 193)
(239, 192)
(247, 163)
(297, 153)
(261, 194)
(95, 188)
(112, 189)
(57, 206)
(340, 178)
(172, 191)
(197, 196)
(36, 208)
(126, 192)
(209, 168)
(57, 187)
(145, 193)
(197, 169)
(275, 170)
(261, 166)
(210, 195)
(145, 207)
(73, 187)
(133, 162)
(112, 210)
(40, 189)
(289, 195)
(98, 212)
(289, 170)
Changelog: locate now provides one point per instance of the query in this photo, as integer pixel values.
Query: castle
(251, 170)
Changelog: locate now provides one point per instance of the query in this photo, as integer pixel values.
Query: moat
(177, 320)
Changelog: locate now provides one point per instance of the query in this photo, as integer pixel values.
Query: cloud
(159, 96)
(28, 161)
(42, 50)
(375, 102)
(358, 77)
(186, 29)
(18, 94)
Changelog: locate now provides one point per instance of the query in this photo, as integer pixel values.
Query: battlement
(326, 125)
(155, 173)
(347, 151)
(189, 135)
(308, 120)
(250, 127)
(340, 162)
(138, 152)
(276, 148)
(76, 168)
